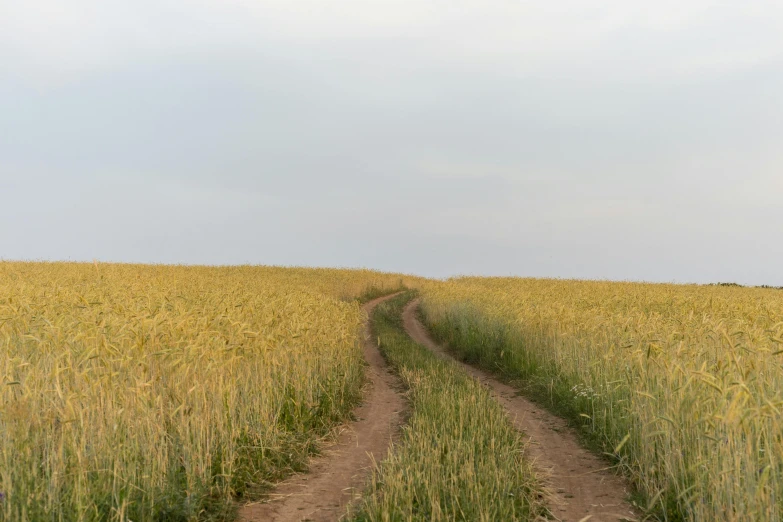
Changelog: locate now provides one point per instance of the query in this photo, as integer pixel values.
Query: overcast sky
(620, 140)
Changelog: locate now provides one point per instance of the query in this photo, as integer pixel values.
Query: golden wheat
(160, 392)
(683, 383)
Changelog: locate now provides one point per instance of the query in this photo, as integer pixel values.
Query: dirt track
(338, 476)
(581, 488)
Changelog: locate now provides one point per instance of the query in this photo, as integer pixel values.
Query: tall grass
(684, 384)
(459, 457)
(162, 393)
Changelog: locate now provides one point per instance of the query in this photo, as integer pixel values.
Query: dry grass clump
(137, 393)
(684, 384)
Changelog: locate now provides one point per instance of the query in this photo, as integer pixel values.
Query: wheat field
(153, 392)
(137, 392)
(683, 384)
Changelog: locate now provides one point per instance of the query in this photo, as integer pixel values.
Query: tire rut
(580, 486)
(336, 478)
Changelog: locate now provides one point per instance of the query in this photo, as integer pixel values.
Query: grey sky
(624, 140)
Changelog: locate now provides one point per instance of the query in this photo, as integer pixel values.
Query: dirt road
(339, 474)
(581, 487)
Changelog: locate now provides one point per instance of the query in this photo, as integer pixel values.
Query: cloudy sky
(611, 139)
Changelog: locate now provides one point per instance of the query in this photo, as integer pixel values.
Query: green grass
(459, 457)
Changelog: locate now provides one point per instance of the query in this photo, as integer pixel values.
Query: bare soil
(580, 485)
(337, 476)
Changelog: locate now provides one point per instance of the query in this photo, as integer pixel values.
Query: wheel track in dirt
(580, 487)
(337, 476)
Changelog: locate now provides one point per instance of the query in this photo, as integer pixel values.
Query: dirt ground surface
(581, 488)
(337, 477)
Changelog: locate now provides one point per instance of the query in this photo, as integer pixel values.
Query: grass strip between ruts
(459, 457)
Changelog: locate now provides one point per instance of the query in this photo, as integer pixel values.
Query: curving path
(337, 477)
(581, 487)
